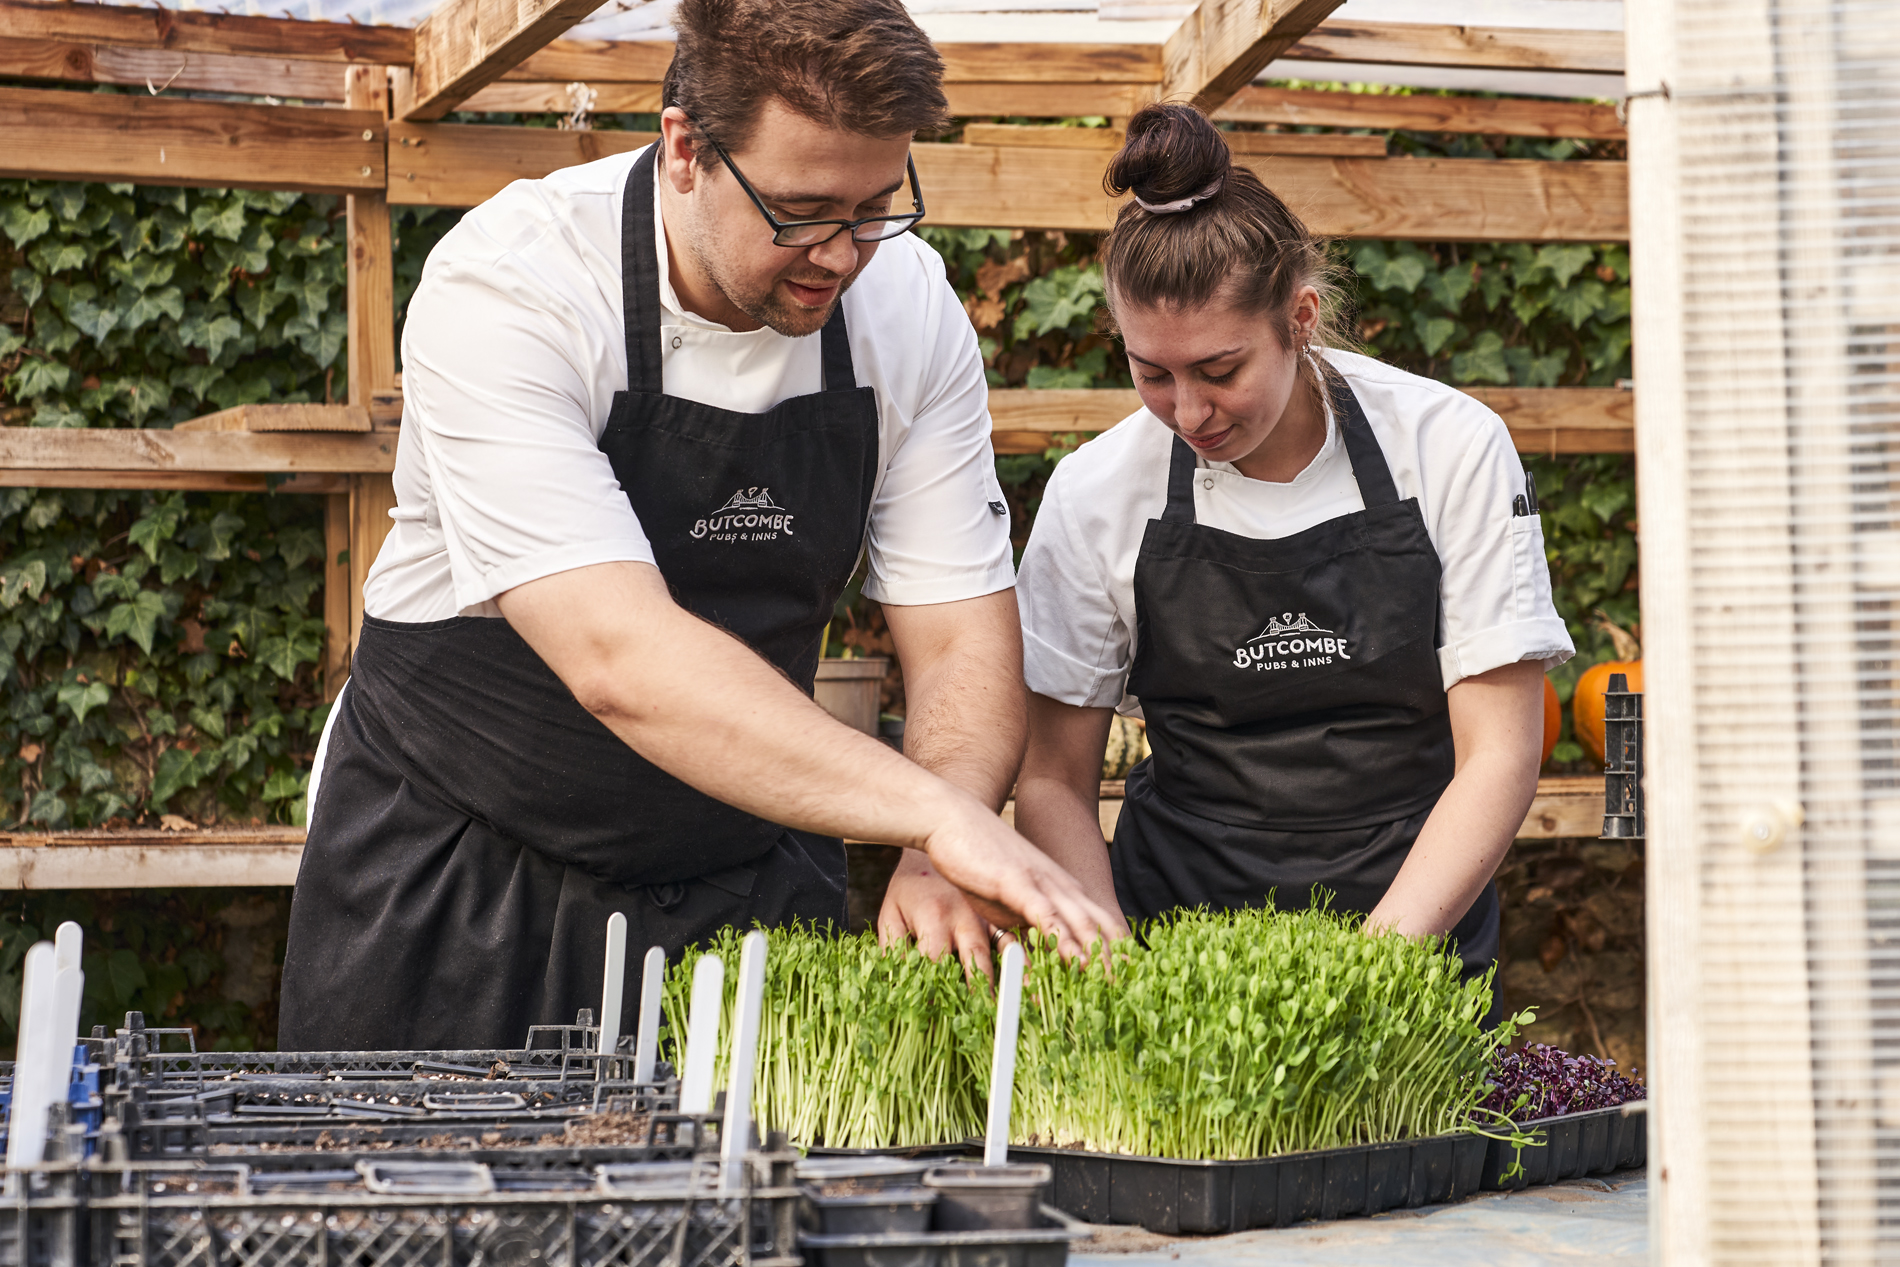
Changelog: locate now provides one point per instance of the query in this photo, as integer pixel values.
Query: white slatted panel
(1767, 240)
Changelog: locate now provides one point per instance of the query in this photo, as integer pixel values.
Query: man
(657, 407)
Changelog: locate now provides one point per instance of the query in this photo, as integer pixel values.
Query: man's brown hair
(858, 65)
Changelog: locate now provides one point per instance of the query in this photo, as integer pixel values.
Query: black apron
(475, 826)
(1295, 706)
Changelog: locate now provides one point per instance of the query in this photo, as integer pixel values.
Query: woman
(1320, 579)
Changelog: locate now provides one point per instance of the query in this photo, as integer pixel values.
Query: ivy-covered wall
(162, 647)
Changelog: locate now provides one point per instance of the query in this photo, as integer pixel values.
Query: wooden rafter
(1546, 420)
(1104, 140)
(465, 45)
(1036, 188)
(1223, 44)
(83, 136)
(215, 33)
(1482, 47)
(1494, 116)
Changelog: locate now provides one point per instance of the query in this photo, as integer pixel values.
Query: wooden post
(372, 366)
(336, 592)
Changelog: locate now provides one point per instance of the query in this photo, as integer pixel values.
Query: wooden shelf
(217, 857)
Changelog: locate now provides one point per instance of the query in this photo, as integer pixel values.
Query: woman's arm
(1058, 793)
(1497, 727)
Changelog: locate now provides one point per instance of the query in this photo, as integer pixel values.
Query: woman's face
(1220, 377)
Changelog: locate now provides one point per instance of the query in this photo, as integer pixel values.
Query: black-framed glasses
(808, 233)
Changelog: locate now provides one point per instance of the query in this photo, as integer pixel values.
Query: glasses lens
(811, 234)
(879, 230)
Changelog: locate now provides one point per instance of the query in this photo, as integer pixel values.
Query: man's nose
(840, 255)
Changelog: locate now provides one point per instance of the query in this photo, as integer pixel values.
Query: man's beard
(769, 307)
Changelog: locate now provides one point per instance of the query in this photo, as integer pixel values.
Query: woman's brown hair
(1210, 230)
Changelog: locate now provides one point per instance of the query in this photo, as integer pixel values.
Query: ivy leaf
(175, 770)
(57, 257)
(27, 285)
(38, 377)
(1450, 286)
(25, 579)
(1059, 299)
(284, 784)
(1483, 362)
(257, 301)
(1402, 272)
(1605, 499)
(157, 526)
(23, 223)
(48, 809)
(169, 302)
(297, 543)
(208, 720)
(1580, 302)
(1564, 261)
(137, 619)
(216, 220)
(81, 698)
(67, 200)
(211, 333)
(1433, 332)
(94, 320)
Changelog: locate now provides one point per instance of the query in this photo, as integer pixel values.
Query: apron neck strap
(640, 277)
(1376, 487)
(640, 292)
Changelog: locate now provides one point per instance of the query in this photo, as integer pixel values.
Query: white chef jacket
(1076, 587)
(515, 346)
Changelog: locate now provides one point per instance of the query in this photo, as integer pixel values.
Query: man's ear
(677, 167)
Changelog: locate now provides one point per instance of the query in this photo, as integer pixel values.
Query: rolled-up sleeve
(1495, 591)
(939, 529)
(497, 405)
(1076, 644)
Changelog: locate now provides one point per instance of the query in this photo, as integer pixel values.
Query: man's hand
(1011, 883)
(922, 904)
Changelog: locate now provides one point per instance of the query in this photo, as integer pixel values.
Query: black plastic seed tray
(1168, 1196)
(1045, 1246)
(400, 1214)
(1594, 1142)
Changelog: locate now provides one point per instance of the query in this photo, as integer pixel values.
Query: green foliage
(207, 958)
(143, 306)
(164, 650)
(1508, 314)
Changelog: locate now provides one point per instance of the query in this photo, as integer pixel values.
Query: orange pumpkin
(1586, 703)
(1553, 720)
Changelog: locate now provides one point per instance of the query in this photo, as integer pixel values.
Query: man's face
(802, 171)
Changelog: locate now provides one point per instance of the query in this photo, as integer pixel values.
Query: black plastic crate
(1045, 1246)
(398, 1214)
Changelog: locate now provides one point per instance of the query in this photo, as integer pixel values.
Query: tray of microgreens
(1217, 1071)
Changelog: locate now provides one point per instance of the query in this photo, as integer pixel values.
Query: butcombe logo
(748, 515)
(1290, 642)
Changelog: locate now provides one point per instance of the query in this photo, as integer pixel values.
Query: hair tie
(1182, 204)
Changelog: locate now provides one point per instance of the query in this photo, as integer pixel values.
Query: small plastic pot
(986, 1198)
(863, 1172)
(884, 1212)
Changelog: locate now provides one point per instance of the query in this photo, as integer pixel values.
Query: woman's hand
(1497, 730)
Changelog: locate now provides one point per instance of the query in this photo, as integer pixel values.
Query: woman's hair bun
(1172, 152)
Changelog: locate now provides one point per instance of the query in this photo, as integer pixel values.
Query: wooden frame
(482, 55)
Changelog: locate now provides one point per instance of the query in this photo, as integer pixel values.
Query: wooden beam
(456, 165)
(86, 136)
(1219, 48)
(214, 33)
(372, 359)
(460, 165)
(173, 481)
(465, 45)
(1106, 140)
(600, 62)
(69, 62)
(1503, 116)
(281, 418)
(1548, 420)
(1554, 420)
(372, 497)
(1476, 47)
(1034, 101)
(144, 859)
(26, 452)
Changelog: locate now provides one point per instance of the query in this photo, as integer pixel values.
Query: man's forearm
(732, 727)
(963, 691)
